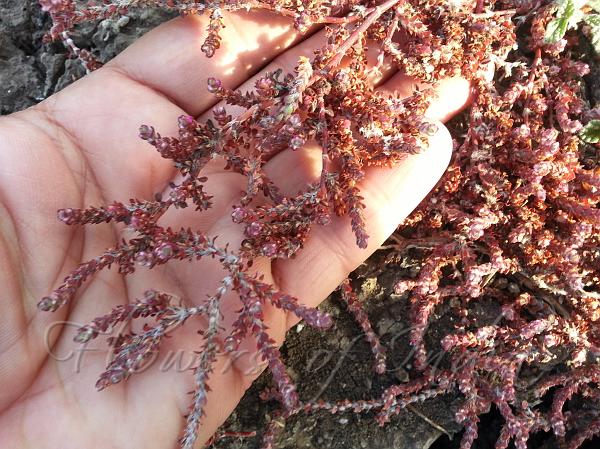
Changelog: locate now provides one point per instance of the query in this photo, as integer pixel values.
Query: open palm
(80, 148)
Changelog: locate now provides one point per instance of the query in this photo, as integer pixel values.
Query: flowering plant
(515, 218)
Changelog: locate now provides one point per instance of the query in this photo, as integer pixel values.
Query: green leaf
(591, 132)
(555, 31)
(593, 20)
(568, 15)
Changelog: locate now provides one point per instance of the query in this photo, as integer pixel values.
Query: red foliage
(516, 215)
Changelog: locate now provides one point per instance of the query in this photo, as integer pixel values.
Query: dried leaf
(594, 4)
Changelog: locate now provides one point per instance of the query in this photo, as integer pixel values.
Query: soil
(331, 365)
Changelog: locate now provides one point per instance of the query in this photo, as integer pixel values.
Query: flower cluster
(515, 218)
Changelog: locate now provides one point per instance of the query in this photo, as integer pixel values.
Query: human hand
(80, 147)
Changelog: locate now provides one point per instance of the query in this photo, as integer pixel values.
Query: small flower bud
(302, 23)
(296, 143)
(136, 222)
(269, 250)
(185, 121)
(238, 215)
(295, 120)
(146, 132)
(85, 334)
(144, 258)
(208, 50)
(117, 377)
(214, 85)
(69, 216)
(163, 146)
(116, 209)
(254, 229)
(264, 84)
(429, 129)
(266, 122)
(49, 303)
(341, 77)
(164, 251)
(219, 111)
(230, 344)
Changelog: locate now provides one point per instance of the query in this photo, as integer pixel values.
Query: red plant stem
(362, 319)
(377, 12)
(289, 13)
(228, 434)
(487, 15)
(536, 62)
(324, 145)
(479, 7)
(387, 41)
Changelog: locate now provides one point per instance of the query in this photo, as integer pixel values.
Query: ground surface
(331, 365)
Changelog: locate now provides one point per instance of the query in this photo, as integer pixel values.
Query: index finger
(169, 59)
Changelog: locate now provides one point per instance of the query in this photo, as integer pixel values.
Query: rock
(31, 70)
(20, 84)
